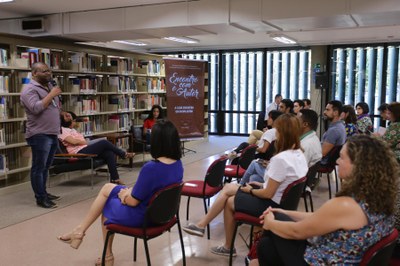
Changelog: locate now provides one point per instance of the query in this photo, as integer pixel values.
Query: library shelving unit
(108, 89)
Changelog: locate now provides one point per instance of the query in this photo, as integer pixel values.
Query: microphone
(54, 84)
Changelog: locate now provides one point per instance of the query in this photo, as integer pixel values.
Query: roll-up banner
(185, 96)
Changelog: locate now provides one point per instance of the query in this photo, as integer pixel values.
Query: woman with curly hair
(341, 230)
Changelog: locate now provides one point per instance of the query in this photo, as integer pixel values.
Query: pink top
(67, 132)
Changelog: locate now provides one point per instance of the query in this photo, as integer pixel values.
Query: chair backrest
(292, 194)
(311, 174)
(247, 156)
(215, 172)
(61, 149)
(333, 155)
(381, 252)
(163, 205)
(261, 121)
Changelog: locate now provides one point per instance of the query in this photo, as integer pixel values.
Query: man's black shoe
(48, 204)
(53, 197)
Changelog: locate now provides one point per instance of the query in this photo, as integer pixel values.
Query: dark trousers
(43, 149)
(275, 250)
(106, 150)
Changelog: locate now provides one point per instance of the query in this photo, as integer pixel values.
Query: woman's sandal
(117, 182)
(109, 261)
(129, 155)
(73, 239)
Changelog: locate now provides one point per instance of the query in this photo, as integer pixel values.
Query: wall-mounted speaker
(321, 80)
(33, 25)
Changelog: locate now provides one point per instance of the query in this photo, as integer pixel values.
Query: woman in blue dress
(126, 206)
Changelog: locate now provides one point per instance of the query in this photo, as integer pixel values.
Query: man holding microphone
(42, 106)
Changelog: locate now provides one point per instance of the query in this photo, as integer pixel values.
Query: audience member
(307, 103)
(75, 142)
(349, 117)
(264, 142)
(274, 105)
(392, 133)
(126, 206)
(155, 113)
(364, 122)
(286, 106)
(336, 133)
(288, 165)
(384, 113)
(42, 107)
(342, 229)
(309, 140)
(297, 106)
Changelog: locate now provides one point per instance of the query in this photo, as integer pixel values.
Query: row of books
(86, 62)
(105, 123)
(121, 84)
(10, 107)
(147, 101)
(150, 67)
(52, 58)
(15, 158)
(121, 65)
(3, 57)
(12, 133)
(151, 84)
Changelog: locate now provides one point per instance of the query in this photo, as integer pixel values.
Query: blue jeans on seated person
(43, 149)
(106, 150)
(254, 173)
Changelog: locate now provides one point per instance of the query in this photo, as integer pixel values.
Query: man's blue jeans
(43, 149)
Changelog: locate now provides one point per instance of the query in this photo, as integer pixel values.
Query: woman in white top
(288, 165)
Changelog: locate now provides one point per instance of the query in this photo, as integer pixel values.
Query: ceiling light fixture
(182, 39)
(282, 38)
(135, 43)
(6, 1)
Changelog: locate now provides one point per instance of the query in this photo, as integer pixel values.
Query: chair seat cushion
(231, 170)
(325, 169)
(194, 188)
(246, 218)
(138, 231)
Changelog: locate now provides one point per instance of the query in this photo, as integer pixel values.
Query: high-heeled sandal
(74, 240)
(117, 182)
(109, 261)
(129, 155)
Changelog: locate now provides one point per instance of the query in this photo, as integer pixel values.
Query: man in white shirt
(274, 105)
(309, 140)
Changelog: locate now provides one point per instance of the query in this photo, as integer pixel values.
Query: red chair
(207, 188)
(162, 214)
(310, 185)
(289, 201)
(329, 167)
(237, 170)
(381, 252)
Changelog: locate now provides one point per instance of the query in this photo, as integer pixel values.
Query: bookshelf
(108, 89)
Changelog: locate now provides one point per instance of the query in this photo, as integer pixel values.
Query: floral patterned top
(346, 247)
(350, 129)
(364, 124)
(392, 137)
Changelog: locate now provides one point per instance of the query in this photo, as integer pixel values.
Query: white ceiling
(217, 24)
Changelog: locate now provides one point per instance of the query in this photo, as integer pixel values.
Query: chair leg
(233, 243)
(181, 240)
(187, 209)
(205, 211)
(305, 201)
(337, 180)
(251, 236)
(329, 185)
(134, 249)
(311, 202)
(146, 248)
(103, 258)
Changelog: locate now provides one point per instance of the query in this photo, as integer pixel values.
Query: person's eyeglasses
(45, 71)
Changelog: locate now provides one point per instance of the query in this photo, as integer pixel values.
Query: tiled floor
(33, 242)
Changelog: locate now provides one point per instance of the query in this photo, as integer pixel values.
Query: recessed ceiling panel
(378, 19)
(172, 31)
(309, 23)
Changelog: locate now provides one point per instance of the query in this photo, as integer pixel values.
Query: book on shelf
(3, 163)
(3, 57)
(4, 83)
(2, 138)
(3, 107)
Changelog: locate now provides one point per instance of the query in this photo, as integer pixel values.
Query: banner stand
(185, 149)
